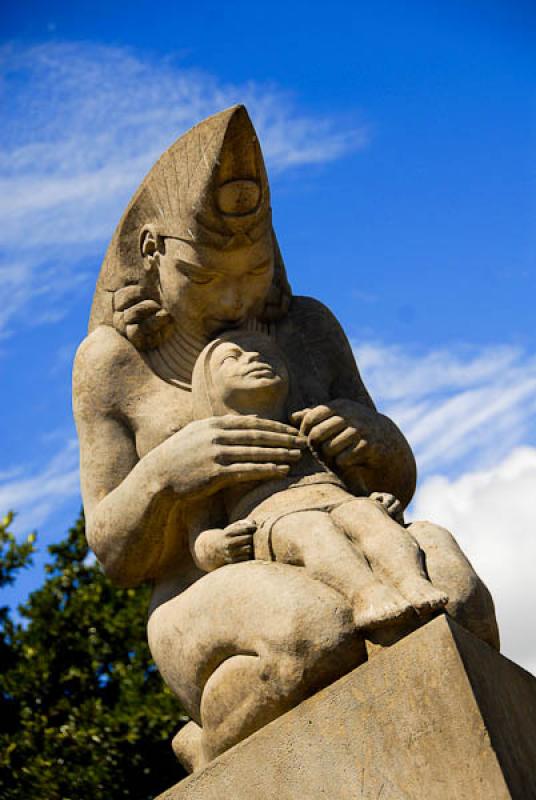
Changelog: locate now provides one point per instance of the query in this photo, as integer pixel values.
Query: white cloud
(469, 415)
(492, 513)
(460, 409)
(83, 123)
(36, 493)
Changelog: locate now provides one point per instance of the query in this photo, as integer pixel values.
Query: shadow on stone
(440, 715)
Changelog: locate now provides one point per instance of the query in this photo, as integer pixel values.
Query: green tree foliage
(84, 712)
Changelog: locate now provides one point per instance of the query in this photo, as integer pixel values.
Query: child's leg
(312, 540)
(391, 550)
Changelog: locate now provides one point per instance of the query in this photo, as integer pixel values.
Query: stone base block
(437, 715)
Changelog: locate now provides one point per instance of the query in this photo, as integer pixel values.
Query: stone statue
(266, 520)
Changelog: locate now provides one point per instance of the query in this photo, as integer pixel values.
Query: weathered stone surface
(438, 716)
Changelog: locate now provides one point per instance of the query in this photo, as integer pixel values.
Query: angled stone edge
(440, 715)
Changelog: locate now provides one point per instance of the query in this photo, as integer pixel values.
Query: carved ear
(150, 245)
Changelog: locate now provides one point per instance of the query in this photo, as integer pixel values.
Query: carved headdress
(209, 188)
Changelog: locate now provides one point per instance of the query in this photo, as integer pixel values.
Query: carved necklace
(174, 359)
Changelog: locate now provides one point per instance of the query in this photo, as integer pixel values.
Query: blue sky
(400, 140)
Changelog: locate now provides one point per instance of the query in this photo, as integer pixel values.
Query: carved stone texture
(307, 518)
(263, 499)
(438, 716)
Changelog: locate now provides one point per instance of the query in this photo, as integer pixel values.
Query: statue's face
(249, 375)
(208, 291)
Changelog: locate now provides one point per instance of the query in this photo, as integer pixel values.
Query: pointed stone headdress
(209, 188)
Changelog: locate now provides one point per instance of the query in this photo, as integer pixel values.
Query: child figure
(307, 518)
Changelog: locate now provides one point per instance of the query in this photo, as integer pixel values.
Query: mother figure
(195, 254)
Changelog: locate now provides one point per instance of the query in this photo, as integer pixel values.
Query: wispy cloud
(469, 414)
(37, 493)
(83, 123)
(461, 409)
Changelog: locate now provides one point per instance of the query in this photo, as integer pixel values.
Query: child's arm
(215, 547)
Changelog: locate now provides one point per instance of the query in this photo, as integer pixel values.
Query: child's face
(249, 374)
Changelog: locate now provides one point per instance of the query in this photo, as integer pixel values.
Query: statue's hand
(339, 432)
(139, 316)
(392, 505)
(211, 454)
(216, 547)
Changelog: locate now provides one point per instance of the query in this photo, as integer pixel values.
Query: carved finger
(236, 542)
(387, 498)
(251, 422)
(377, 496)
(326, 430)
(256, 472)
(276, 455)
(260, 438)
(297, 416)
(119, 322)
(394, 505)
(313, 417)
(127, 296)
(233, 559)
(352, 455)
(243, 550)
(135, 335)
(141, 311)
(157, 321)
(240, 527)
(347, 438)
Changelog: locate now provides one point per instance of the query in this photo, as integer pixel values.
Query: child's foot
(378, 605)
(423, 596)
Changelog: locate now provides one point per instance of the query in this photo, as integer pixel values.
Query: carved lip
(260, 367)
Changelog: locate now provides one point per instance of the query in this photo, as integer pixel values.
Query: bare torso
(151, 410)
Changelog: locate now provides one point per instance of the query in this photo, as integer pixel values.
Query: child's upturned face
(250, 376)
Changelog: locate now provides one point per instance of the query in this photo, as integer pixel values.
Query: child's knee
(359, 511)
(428, 534)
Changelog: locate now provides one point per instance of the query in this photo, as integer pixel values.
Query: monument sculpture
(232, 456)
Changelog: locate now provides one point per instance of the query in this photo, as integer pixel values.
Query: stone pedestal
(438, 715)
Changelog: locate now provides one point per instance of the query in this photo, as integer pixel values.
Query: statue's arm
(382, 458)
(129, 501)
(126, 500)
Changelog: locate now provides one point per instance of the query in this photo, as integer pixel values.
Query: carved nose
(231, 300)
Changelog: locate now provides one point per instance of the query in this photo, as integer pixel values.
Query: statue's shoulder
(105, 364)
(314, 320)
(302, 305)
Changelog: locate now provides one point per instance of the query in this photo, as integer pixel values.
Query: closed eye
(200, 277)
(233, 354)
(261, 268)
(196, 274)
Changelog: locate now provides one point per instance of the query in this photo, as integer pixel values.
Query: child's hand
(216, 547)
(392, 505)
